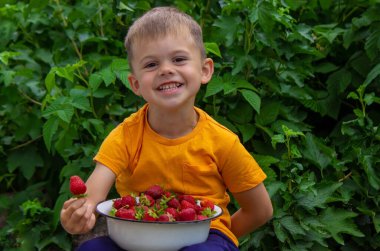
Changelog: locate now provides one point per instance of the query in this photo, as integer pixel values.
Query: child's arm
(78, 215)
(255, 210)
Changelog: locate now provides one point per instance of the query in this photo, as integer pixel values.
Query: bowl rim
(219, 213)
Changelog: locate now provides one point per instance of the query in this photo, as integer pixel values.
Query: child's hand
(77, 216)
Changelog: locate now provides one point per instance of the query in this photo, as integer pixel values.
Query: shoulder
(129, 124)
(215, 129)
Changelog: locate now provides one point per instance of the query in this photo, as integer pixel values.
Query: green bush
(298, 81)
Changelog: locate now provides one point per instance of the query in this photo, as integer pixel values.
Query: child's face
(168, 71)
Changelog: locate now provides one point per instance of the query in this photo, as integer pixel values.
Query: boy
(169, 141)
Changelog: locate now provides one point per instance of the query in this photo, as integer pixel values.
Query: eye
(179, 59)
(150, 65)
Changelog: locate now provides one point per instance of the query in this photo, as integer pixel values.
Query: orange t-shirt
(204, 163)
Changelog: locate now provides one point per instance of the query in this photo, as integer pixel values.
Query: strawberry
(172, 211)
(174, 203)
(201, 217)
(155, 191)
(188, 198)
(163, 218)
(187, 214)
(128, 201)
(185, 204)
(126, 213)
(150, 215)
(206, 211)
(207, 203)
(117, 203)
(146, 200)
(77, 186)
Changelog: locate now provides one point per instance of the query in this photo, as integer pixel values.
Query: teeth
(169, 86)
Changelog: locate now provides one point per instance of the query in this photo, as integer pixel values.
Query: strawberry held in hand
(77, 187)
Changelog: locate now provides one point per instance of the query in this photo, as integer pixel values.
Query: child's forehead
(151, 38)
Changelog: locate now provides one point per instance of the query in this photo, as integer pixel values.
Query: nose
(166, 68)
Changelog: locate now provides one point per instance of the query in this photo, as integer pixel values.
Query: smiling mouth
(168, 87)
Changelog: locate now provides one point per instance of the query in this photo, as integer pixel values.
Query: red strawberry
(207, 203)
(126, 213)
(77, 186)
(188, 198)
(185, 204)
(187, 214)
(146, 200)
(172, 211)
(155, 191)
(117, 203)
(201, 217)
(150, 215)
(163, 218)
(128, 201)
(174, 203)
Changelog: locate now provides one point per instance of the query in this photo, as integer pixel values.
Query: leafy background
(298, 81)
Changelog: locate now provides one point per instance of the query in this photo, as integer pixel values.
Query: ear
(207, 70)
(134, 83)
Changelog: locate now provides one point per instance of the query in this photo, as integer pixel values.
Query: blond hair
(162, 21)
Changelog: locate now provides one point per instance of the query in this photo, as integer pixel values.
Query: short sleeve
(240, 170)
(113, 152)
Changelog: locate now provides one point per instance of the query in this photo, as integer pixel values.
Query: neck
(173, 124)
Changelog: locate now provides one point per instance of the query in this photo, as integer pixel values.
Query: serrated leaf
(289, 223)
(48, 130)
(313, 153)
(82, 103)
(252, 98)
(339, 221)
(94, 81)
(279, 231)
(119, 64)
(50, 80)
(367, 162)
(66, 112)
(108, 76)
(311, 200)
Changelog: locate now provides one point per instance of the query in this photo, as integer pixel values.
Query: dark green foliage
(298, 81)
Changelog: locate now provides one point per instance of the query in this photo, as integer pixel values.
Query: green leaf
(338, 222)
(279, 231)
(26, 160)
(94, 81)
(253, 99)
(289, 223)
(367, 162)
(373, 40)
(213, 48)
(247, 131)
(214, 86)
(48, 131)
(372, 75)
(318, 198)
(50, 80)
(6, 55)
(268, 113)
(108, 76)
(376, 222)
(313, 152)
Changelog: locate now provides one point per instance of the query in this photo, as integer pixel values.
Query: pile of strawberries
(156, 204)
